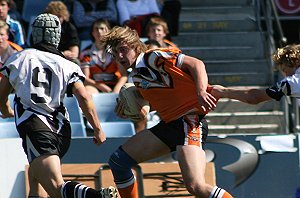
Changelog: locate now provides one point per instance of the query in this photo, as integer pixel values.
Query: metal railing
(292, 114)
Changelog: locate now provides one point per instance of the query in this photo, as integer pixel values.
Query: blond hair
(3, 25)
(59, 9)
(155, 21)
(288, 56)
(123, 35)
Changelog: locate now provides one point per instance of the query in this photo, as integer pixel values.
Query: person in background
(157, 29)
(7, 48)
(136, 13)
(15, 10)
(41, 77)
(103, 74)
(15, 28)
(85, 12)
(170, 11)
(69, 42)
(164, 77)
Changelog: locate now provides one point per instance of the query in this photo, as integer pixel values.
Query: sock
(129, 191)
(72, 189)
(219, 193)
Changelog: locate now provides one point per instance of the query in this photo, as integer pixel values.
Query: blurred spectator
(7, 48)
(69, 42)
(152, 44)
(85, 12)
(102, 73)
(15, 29)
(157, 29)
(136, 13)
(14, 11)
(170, 11)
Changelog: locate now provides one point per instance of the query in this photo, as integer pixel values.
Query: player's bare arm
(196, 68)
(250, 96)
(87, 105)
(6, 89)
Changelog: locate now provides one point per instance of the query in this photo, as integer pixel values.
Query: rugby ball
(133, 102)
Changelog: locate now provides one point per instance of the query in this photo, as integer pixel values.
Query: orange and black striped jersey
(170, 45)
(102, 70)
(169, 90)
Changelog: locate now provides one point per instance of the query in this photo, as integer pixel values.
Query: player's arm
(88, 108)
(250, 96)
(196, 69)
(6, 89)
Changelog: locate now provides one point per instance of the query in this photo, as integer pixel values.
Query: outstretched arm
(250, 96)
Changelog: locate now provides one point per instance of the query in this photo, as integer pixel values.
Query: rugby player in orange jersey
(176, 87)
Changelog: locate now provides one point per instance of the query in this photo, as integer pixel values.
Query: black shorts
(38, 139)
(187, 130)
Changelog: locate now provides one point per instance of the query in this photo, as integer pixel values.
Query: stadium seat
(84, 44)
(8, 130)
(105, 105)
(73, 109)
(78, 130)
(118, 129)
(76, 117)
(33, 8)
(29, 30)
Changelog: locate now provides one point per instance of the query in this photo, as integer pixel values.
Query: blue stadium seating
(76, 117)
(73, 109)
(33, 8)
(78, 130)
(118, 129)
(105, 105)
(8, 130)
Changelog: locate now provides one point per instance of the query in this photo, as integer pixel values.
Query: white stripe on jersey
(32, 153)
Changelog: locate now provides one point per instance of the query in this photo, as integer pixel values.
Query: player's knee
(121, 163)
(196, 188)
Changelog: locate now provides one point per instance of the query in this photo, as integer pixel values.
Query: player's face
(157, 33)
(3, 9)
(3, 37)
(125, 55)
(99, 30)
(287, 71)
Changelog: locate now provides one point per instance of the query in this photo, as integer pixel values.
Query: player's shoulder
(163, 51)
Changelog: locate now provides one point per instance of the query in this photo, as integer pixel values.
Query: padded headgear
(46, 28)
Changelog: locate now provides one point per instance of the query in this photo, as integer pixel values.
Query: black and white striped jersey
(41, 80)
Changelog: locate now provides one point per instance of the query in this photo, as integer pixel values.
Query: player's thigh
(192, 161)
(145, 146)
(46, 169)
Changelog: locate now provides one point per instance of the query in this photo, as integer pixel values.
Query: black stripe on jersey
(5, 68)
(145, 72)
(277, 91)
(70, 86)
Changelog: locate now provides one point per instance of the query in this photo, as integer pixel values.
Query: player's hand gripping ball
(134, 106)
